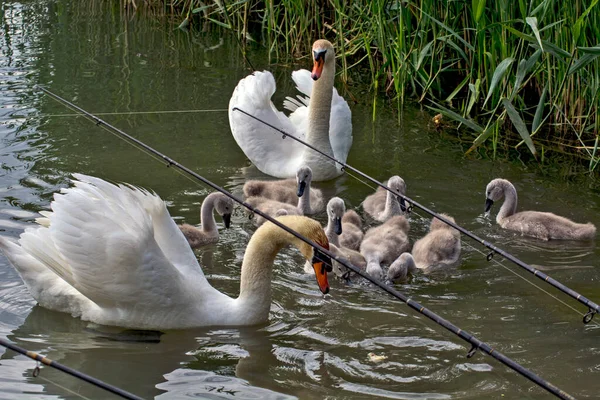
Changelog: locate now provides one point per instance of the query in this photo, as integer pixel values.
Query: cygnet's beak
(321, 264)
(338, 225)
(227, 220)
(488, 205)
(319, 56)
(301, 187)
(402, 204)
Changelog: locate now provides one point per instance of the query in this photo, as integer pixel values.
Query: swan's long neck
(509, 207)
(207, 218)
(333, 237)
(319, 112)
(304, 200)
(392, 205)
(255, 287)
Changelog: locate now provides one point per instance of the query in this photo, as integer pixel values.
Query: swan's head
(224, 207)
(494, 192)
(304, 178)
(335, 211)
(311, 229)
(398, 185)
(322, 54)
(439, 224)
(400, 268)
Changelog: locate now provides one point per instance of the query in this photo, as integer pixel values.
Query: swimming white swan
(322, 118)
(440, 247)
(382, 204)
(114, 256)
(384, 243)
(288, 191)
(208, 232)
(541, 225)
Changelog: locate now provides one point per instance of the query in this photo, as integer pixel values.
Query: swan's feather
(101, 241)
(264, 146)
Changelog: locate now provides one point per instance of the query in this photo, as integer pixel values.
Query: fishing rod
(475, 343)
(593, 307)
(46, 361)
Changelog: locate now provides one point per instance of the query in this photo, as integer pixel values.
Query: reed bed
(499, 69)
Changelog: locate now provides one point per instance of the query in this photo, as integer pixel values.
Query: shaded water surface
(313, 346)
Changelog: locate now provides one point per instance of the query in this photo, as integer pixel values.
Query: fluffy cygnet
(541, 225)
(289, 191)
(208, 232)
(384, 243)
(382, 205)
(440, 247)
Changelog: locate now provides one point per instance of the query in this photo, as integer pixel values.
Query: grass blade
(582, 62)
(590, 50)
(498, 75)
(532, 22)
(539, 111)
(519, 124)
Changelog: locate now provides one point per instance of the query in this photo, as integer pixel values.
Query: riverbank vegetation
(498, 70)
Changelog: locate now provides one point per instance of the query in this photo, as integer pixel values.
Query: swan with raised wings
(112, 254)
(322, 118)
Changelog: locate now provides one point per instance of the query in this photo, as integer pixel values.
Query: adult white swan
(113, 255)
(322, 118)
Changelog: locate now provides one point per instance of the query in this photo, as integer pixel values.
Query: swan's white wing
(104, 246)
(340, 123)
(262, 145)
(166, 233)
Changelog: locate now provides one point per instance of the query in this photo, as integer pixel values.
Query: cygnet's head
(224, 207)
(439, 224)
(374, 270)
(494, 192)
(400, 268)
(335, 211)
(304, 178)
(280, 212)
(398, 185)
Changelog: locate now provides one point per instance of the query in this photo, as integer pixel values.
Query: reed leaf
(532, 22)
(519, 124)
(591, 50)
(499, 73)
(539, 111)
(582, 62)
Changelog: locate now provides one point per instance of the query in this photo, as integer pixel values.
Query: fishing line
(66, 389)
(138, 113)
(321, 252)
(593, 307)
(73, 372)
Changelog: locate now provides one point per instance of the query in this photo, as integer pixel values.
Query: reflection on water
(314, 346)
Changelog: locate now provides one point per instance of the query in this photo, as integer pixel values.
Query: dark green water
(313, 346)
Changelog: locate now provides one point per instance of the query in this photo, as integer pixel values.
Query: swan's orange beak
(319, 57)
(321, 275)
(321, 264)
